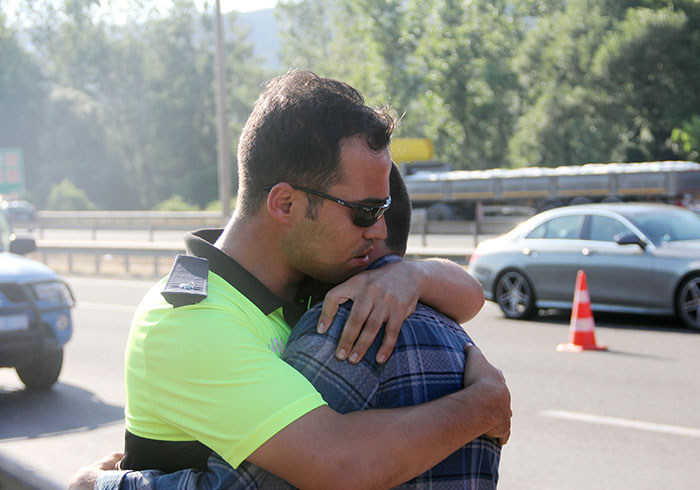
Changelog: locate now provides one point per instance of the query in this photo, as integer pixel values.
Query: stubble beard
(307, 260)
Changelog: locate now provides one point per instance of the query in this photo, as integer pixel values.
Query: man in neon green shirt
(202, 370)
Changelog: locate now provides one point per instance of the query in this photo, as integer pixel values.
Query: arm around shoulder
(449, 288)
(316, 450)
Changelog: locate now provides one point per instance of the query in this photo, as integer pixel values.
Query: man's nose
(377, 231)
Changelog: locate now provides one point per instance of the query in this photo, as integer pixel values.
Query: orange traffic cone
(582, 331)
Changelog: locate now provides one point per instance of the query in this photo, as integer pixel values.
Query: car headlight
(53, 293)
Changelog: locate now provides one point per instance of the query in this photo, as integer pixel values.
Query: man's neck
(253, 246)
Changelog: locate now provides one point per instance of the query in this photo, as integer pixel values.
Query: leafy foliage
(125, 110)
(129, 108)
(603, 82)
(686, 139)
(22, 93)
(216, 205)
(176, 203)
(66, 196)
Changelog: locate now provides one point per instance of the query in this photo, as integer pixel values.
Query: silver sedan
(638, 258)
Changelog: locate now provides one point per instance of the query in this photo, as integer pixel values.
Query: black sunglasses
(365, 214)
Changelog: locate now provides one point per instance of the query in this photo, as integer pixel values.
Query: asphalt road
(628, 418)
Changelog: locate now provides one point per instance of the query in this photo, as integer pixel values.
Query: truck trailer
(460, 194)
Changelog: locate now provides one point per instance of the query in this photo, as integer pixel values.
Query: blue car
(35, 316)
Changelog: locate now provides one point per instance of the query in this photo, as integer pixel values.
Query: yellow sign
(411, 149)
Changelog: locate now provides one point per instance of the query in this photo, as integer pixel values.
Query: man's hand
(479, 371)
(86, 477)
(390, 294)
(385, 295)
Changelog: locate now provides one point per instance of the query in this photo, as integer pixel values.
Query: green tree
(164, 116)
(686, 139)
(71, 43)
(606, 81)
(443, 65)
(561, 122)
(307, 33)
(132, 107)
(72, 145)
(471, 90)
(376, 52)
(75, 55)
(649, 64)
(66, 196)
(216, 205)
(22, 98)
(176, 203)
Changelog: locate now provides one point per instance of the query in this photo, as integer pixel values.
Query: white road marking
(626, 423)
(106, 306)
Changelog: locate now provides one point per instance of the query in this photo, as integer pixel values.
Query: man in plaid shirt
(427, 363)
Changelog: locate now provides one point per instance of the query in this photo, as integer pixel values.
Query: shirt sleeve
(112, 480)
(344, 386)
(219, 476)
(221, 384)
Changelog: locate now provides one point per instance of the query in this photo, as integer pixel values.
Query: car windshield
(663, 227)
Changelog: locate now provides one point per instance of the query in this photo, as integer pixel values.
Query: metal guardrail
(189, 220)
(128, 219)
(125, 220)
(100, 252)
(477, 229)
(152, 259)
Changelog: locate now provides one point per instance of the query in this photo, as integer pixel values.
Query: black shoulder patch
(187, 282)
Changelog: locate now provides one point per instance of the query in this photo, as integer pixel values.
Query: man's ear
(282, 201)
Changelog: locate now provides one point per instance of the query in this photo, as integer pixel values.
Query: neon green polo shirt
(212, 371)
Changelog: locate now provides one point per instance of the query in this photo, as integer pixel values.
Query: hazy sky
(244, 5)
(116, 5)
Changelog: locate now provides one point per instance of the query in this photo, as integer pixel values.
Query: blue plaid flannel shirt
(427, 363)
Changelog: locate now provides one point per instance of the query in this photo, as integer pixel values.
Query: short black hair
(295, 131)
(398, 216)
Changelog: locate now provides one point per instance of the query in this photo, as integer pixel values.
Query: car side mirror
(629, 238)
(22, 246)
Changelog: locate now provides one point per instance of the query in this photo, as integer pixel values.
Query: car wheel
(42, 372)
(688, 302)
(515, 296)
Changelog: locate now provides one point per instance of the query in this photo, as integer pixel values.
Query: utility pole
(223, 147)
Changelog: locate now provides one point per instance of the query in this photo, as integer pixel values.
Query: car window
(4, 232)
(604, 229)
(669, 226)
(561, 228)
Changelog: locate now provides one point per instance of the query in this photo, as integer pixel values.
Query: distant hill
(263, 35)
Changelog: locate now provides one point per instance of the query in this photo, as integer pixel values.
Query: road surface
(628, 418)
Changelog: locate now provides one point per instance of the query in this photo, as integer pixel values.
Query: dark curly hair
(294, 134)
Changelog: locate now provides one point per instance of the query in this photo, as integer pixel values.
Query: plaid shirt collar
(387, 259)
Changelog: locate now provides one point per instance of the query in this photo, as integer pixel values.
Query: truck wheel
(440, 212)
(515, 296)
(548, 204)
(42, 372)
(579, 200)
(688, 302)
